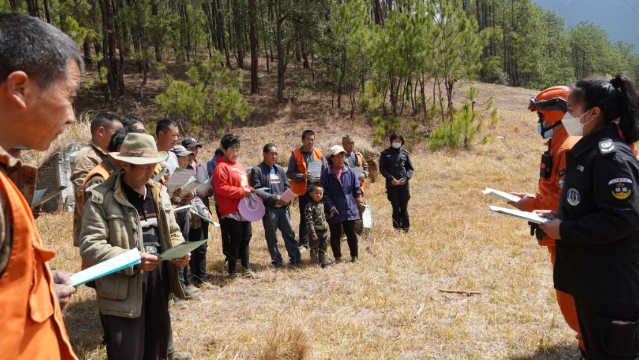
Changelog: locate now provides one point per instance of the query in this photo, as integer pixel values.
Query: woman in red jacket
(230, 183)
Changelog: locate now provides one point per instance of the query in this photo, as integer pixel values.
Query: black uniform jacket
(395, 164)
(598, 254)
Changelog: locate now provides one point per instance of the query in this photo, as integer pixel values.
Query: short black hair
(104, 120)
(229, 142)
(164, 125)
(307, 133)
(118, 138)
(315, 186)
(39, 49)
(396, 135)
(130, 119)
(268, 147)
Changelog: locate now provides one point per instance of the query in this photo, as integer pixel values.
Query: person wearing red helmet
(551, 106)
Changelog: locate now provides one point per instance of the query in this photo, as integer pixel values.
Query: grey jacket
(111, 227)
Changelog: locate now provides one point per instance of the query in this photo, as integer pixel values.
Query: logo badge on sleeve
(573, 197)
(620, 188)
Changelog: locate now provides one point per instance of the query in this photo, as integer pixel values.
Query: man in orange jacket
(300, 178)
(551, 107)
(37, 86)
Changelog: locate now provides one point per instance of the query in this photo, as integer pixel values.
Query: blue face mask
(397, 145)
(547, 134)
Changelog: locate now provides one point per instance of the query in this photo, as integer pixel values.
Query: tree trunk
(239, 42)
(378, 13)
(281, 62)
(87, 52)
(255, 86)
(47, 11)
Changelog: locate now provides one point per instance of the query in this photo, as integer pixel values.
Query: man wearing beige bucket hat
(130, 210)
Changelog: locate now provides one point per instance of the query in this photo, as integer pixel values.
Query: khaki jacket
(85, 160)
(110, 227)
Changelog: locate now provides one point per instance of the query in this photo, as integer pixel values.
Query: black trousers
(336, 234)
(303, 230)
(610, 331)
(182, 220)
(147, 336)
(237, 246)
(399, 201)
(223, 230)
(198, 256)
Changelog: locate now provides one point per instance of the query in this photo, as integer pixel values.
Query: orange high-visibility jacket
(31, 320)
(550, 189)
(299, 187)
(360, 160)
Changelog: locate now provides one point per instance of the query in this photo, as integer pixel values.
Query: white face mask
(573, 125)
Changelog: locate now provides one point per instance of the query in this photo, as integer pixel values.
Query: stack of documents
(129, 258)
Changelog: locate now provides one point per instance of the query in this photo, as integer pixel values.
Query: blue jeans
(279, 218)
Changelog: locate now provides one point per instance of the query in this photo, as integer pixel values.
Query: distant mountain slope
(614, 16)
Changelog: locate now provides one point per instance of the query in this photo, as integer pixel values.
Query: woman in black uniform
(396, 168)
(597, 226)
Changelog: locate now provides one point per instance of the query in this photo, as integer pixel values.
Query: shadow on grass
(82, 321)
(555, 352)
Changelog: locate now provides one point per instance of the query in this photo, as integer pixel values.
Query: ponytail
(617, 98)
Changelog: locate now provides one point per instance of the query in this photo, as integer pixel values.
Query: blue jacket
(341, 195)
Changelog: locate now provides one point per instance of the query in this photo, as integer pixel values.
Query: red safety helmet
(552, 103)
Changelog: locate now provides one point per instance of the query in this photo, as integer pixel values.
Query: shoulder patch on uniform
(620, 188)
(607, 147)
(96, 197)
(561, 172)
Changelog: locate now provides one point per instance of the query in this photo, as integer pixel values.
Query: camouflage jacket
(315, 217)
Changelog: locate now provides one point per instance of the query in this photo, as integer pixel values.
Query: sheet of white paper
(129, 258)
(181, 208)
(38, 195)
(315, 167)
(180, 251)
(367, 218)
(520, 214)
(157, 177)
(179, 178)
(204, 188)
(500, 195)
(359, 171)
(187, 189)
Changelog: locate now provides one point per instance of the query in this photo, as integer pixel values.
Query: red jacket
(229, 181)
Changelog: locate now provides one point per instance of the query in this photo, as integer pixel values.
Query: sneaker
(338, 259)
(189, 295)
(173, 316)
(355, 259)
(180, 355)
(177, 303)
(193, 289)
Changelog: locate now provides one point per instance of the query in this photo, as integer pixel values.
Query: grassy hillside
(388, 306)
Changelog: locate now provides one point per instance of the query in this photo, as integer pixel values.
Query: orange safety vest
(299, 187)
(98, 170)
(32, 326)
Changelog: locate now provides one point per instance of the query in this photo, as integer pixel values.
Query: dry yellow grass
(371, 310)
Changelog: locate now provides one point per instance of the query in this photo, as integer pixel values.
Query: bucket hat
(139, 149)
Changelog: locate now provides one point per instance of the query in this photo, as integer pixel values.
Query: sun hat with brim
(139, 149)
(251, 208)
(181, 151)
(335, 149)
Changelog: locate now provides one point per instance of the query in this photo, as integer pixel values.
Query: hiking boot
(189, 295)
(279, 265)
(338, 259)
(355, 259)
(180, 355)
(248, 274)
